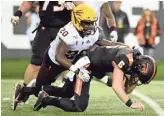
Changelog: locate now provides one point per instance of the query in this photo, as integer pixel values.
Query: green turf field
(103, 102)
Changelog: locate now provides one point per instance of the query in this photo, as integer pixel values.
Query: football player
(121, 61)
(103, 8)
(78, 35)
(53, 15)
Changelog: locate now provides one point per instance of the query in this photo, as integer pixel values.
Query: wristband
(18, 13)
(112, 28)
(129, 103)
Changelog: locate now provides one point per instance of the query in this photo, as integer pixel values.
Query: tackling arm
(60, 57)
(104, 42)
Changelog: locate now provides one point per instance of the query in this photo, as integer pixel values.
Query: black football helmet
(145, 68)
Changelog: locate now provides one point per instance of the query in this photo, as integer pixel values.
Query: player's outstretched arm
(103, 42)
(60, 57)
(24, 7)
(118, 87)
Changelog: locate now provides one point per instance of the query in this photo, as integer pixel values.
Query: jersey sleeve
(65, 35)
(122, 61)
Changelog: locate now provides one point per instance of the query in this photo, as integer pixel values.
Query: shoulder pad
(66, 34)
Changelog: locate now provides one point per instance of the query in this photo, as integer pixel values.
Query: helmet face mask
(84, 19)
(88, 27)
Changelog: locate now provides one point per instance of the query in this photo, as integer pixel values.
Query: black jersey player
(119, 60)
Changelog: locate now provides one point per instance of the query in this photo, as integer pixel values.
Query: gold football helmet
(84, 19)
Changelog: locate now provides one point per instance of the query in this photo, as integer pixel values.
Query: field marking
(150, 102)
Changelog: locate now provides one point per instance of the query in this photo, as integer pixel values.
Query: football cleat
(17, 93)
(40, 103)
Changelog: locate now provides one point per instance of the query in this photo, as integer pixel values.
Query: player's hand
(69, 5)
(113, 36)
(81, 72)
(83, 75)
(15, 20)
(137, 105)
(138, 48)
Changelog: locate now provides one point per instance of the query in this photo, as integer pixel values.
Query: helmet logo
(144, 68)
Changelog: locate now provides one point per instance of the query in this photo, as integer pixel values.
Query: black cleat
(16, 96)
(40, 103)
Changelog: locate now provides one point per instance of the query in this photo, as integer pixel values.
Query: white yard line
(150, 102)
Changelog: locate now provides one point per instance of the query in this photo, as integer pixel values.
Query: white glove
(113, 36)
(82, 73)
(69, 5)
(15, 20)
(140, 49)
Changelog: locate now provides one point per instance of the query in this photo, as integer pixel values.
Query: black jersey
(53, 13)
(101, 58)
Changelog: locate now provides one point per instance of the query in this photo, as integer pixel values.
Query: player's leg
(64, 78)
(40, 44)
(67, 91)
(45, 77)
(79, 104)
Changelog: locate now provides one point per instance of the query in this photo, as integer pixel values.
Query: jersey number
(64, 32)
(55, 8)
(121, 64)
(71, 54)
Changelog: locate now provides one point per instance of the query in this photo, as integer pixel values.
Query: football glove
(69, 5)
(15, 20)
(82, 73)
(113, 36)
